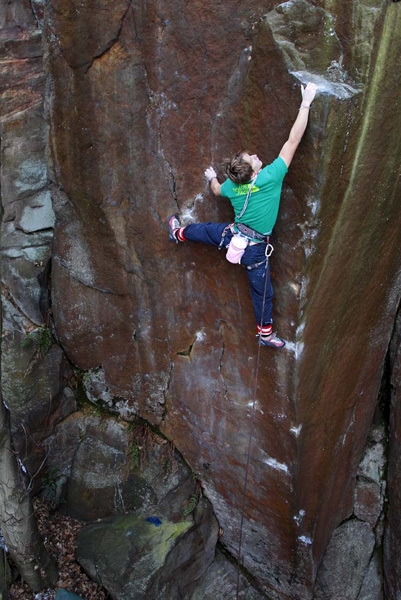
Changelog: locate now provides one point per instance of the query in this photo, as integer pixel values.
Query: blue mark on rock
(155, 520)
(63, 594)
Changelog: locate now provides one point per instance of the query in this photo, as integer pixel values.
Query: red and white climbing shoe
(173, 226)
(271, 340)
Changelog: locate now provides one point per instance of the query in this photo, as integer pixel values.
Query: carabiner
(267, 252)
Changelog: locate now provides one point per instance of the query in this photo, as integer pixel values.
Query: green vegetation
(133, 453)
(190, 505)
(146, 445)
(41, 338)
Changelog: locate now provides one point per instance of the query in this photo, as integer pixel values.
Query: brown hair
(237, 169)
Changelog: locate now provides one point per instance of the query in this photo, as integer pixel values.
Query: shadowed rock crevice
(187, 352)
(391, 398)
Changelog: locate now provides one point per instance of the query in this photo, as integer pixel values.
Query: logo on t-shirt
(242, 190)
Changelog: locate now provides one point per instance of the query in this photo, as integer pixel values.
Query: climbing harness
(251, 428)
(250, 233)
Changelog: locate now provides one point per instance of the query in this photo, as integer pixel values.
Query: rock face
(140, 98)
(152, 557)
(354, 541)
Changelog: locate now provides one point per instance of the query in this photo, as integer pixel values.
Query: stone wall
(139, 99)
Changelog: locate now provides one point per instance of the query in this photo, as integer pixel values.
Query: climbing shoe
(173, 227)
(271, 340)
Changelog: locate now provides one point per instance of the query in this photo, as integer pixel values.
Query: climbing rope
(251, 428)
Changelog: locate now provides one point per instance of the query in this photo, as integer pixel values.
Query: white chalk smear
(298, 518)
(296, 430)
(325, 86)
(271, 462)
(305, 540)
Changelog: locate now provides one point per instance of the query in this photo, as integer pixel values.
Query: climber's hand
(210, 173)
(308, 93)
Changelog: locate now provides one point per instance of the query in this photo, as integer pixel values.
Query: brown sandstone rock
(171, 326)
(140, 99)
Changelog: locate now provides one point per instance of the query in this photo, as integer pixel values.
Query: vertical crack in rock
(37, 11)
(311, 226)
(204, 70)
(80, 440)
(159, 105)
(29, 324)
(173, 177)
(166, 390)
(234, 91)
(221, 360)
(389, 398)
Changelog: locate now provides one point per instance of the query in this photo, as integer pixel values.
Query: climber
(254, 193)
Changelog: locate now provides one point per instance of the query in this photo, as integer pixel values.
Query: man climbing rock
(254, 193)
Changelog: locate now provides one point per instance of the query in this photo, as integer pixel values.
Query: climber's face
(253, 160)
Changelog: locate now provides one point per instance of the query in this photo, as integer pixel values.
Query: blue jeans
(210, 233)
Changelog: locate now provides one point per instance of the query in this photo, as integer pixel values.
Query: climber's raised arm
(211, 176)
(298, 129)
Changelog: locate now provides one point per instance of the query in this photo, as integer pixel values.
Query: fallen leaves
(59, 534)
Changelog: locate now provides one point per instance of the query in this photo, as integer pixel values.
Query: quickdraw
(223, 235)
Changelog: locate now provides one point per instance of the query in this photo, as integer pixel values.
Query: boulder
(368, 501)
(345, 562)
(102, 466)
(370, 485)
(222, 581)
(149, 557)
(372, 586)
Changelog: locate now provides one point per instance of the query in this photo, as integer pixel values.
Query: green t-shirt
(262, 210)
